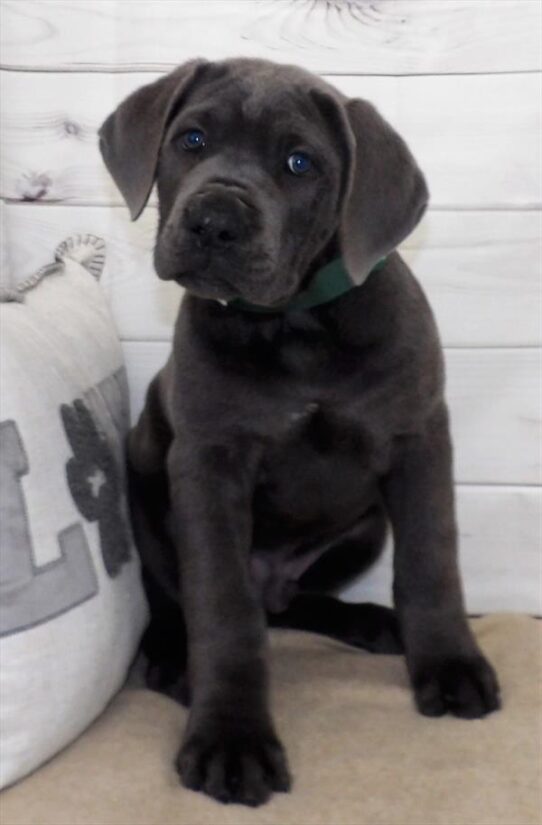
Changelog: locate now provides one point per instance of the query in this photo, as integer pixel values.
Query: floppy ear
(131, 137)
(387, 193)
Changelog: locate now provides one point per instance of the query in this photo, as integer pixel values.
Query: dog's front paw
(460, 685)
(233, 763)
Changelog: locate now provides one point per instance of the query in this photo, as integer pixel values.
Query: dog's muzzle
(218, 218)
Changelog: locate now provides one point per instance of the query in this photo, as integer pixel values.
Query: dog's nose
(216, 221)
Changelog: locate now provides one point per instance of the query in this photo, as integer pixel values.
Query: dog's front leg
(446, 667)
(230, 749)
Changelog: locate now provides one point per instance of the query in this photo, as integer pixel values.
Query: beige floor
(359, 752)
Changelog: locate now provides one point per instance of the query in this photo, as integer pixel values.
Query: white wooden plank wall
(460, 79)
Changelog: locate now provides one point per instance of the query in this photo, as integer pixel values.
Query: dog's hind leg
(164, 642)
(368, 626)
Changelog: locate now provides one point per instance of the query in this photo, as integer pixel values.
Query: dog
(301, 409)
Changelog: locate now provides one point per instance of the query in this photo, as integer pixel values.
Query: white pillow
(72, 608)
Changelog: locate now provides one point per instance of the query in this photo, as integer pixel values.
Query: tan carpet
(359, 752)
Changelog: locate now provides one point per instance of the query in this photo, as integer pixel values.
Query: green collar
(329, 282)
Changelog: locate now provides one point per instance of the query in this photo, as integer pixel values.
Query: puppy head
(260, 169)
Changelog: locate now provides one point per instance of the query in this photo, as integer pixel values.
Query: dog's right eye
(193, 139)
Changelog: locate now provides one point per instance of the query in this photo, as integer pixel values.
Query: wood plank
(381, 37)
(494, 399)
(477, 138)
(481, 270)
(499, 543)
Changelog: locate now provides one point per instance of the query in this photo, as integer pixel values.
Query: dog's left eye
(299, 163)
(193, 139)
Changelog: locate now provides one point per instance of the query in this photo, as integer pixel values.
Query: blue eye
(193, 139)
(299, 163)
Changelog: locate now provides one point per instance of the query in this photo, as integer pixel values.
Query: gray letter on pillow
(30, 595)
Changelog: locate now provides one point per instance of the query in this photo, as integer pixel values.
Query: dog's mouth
(221, 290)
(203, 285)
(250, 276)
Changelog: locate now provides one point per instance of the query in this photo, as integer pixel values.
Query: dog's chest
(319, 469)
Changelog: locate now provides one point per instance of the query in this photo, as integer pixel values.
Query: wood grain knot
(33, 186)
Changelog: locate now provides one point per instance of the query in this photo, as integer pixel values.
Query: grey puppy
(301, 408)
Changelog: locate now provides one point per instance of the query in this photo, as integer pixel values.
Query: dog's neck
(302, 342)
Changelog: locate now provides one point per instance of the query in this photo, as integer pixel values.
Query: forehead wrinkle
(264, 98)
(290, 114)
(201, 110)
(216, 86)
